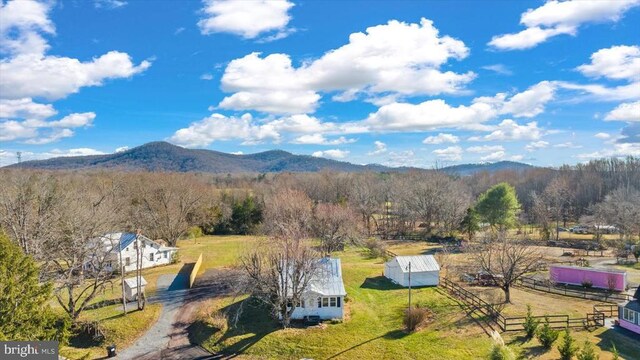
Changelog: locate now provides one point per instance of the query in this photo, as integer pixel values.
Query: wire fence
(549, 287)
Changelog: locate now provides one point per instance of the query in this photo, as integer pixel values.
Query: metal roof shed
(425, 270)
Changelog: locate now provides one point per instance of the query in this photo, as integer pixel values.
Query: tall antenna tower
(19, 156)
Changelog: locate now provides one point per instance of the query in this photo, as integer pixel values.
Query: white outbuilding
(425, 270)
(131, 287)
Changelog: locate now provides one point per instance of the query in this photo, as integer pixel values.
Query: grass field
(373, 328)
(373, 325)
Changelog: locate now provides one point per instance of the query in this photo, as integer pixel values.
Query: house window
(164, 254)
(127, 261)
(338, 301)
(151, 257)
(629, 315)
(332, 302)
(303, 303)
(325, 302)
(319, 302)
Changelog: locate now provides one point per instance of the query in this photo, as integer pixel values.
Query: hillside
(470, 169)
(162, 156)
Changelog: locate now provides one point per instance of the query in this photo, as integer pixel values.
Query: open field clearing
(373, 322)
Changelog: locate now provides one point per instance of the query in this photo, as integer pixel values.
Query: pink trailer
(600, 278)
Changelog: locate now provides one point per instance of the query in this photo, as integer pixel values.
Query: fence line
(515, 323)
(548, 287)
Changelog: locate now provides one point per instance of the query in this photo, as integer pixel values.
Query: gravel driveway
(171, 290)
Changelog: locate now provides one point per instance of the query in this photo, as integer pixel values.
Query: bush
(568, 348)
(500, 351)
(587, 284)
(614, 351)
(415, 317)
(546, 335)
(589, 353)
(376, 248)
(530, 323)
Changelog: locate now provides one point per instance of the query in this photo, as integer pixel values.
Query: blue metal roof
(126, 239)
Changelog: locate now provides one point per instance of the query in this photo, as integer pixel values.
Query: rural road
(168, 337)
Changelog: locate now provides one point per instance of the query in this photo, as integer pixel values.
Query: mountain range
(163, 156)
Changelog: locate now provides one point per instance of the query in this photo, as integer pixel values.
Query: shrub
(614, 351)
(415, 317)
(530, 323)
(587, 284)
(546, 335)
(500, 351)
(589, 353)
(568, 348)
(175, 258)
(376, 248)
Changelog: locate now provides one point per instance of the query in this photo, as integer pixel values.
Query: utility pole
(19, 156)
(409, 285)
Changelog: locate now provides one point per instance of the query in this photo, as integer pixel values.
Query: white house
(131, 287)
(425, 270)
(123, 246)
(325, 294)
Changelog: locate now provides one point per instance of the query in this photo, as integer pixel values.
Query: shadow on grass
(379, 283)
(252, 319)
(627, 342)
(391, 335)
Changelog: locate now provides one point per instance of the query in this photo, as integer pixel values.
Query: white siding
(394, 272)
(149, 251)
(311, 308)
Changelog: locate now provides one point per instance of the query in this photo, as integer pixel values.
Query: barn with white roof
(425, 270)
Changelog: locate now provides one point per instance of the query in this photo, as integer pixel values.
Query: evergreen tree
(547, 336)
(530, 323)
(499, 206)
(470, 224)
(568, 347)
(24, 313)
(588, 352)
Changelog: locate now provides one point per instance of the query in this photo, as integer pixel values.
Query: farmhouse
(325, 296)
(598, 278)
(120, 245)
(629, 313)
(425, 270)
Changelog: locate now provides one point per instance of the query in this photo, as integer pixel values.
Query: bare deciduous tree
(279, 273)
(335, 225)
(165, 206)
(28, 202)
(507, 261)
(78, 253)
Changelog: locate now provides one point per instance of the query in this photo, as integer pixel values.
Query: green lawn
(373, 328)
(374, 320)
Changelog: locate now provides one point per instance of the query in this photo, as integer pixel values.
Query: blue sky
(419, 83)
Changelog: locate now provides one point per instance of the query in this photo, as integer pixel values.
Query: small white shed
(131, 287)
(425, 270)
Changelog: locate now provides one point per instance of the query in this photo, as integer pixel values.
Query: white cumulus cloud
(246, 18)
(451, 153)
(333, 153)
(396, 57)
(441, 138)
(560, 17)
(625, 112)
